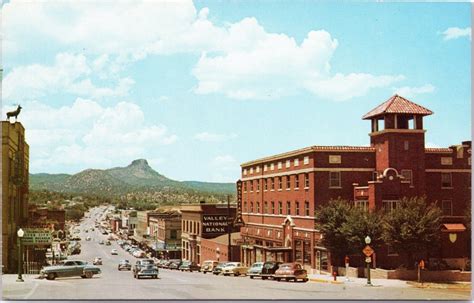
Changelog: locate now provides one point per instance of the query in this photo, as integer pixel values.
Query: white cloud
(69, 74)
(86, 134)
(224, 168)
(240, 60)
(410, 92)
(213, 137)
(456, 32)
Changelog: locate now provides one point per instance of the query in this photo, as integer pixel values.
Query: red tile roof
(398, 105)
(438, 150)
(453, 227)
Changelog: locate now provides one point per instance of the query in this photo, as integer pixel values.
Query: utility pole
(229, 221)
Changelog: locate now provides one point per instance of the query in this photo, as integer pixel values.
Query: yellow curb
(326, 281)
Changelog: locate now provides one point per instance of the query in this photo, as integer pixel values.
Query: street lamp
(367, 260)
(20, 233)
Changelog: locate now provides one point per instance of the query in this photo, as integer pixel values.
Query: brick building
(165, 232)
(15, 172)
(280, 193)
(203, 221)
(218, 248)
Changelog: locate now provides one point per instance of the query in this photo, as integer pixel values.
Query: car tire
(278, 279)
(264, 278)
(251, 277)
(89, 274)
(287, 279)
(305, 280)
(51, 276)
(236, 274)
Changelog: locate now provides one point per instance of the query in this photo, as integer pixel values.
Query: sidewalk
(326, 278)
(18, 290)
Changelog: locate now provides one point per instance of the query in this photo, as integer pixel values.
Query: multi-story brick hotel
(280, 193)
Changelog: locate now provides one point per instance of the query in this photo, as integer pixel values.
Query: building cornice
(402, 131)
(312, 169)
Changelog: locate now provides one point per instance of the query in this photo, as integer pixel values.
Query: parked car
(147, 271)
(88, 238)
(166, 264)
(114, 252)
(101, 242)
(97, 261)
(234, 268)
(268, 269)
(124, 264)
(218, 269)
(291, 271)
(175, 264)
(108, 243)
(69, 269)
(139, 253)
(189, 266)
(255, 270)
(208, 266)
(141, 263)
(161, 263)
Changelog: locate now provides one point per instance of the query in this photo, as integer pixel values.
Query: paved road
(112, 284)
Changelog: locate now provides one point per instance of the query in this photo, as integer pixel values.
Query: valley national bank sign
(214, 224)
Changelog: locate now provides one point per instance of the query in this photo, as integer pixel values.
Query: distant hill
(136, 177)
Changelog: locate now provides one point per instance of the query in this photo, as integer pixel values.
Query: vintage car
(69, 268)
(255, 270)
(142, 263)
(268, 269)
(97, 261)
(108, 243)
(291, 271)
(175, 264)
(124, 264)
(234, 268)
(208, 266)
(218, 268)
(114, 252)
(189, 266)
(147, 271)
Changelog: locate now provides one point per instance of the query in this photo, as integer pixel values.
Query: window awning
(453, 227)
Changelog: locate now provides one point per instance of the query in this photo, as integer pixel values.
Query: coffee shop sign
(214, 223)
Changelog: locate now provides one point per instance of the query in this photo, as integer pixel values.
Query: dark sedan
(124, 265)
(268, 269)
(189, 266)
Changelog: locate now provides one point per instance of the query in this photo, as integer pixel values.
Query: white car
(234, 268)
(114, 252)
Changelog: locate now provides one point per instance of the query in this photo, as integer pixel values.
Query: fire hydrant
(334, 274)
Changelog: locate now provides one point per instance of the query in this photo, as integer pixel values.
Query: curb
(325, 281)
(459, 286)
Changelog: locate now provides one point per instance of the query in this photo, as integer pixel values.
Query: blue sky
(199, 87)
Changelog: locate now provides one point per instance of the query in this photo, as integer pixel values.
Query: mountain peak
(140, 163)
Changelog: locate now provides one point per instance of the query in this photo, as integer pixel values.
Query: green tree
(361, 223)
(412, 229)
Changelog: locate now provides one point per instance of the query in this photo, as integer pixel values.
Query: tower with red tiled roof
(399, 139)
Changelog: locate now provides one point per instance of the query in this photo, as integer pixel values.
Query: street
(114, 284)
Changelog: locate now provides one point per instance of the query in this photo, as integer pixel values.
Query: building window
(251, 207)
(280, 183)
(245, 206)
(245, 186)
(306, 180)
(272, 166)
(280, 165)
(406, 145)
(251, 186)
(408, 175)
(251, 170)
(257, 169)
(335, 179)
(258, 207)
(265, 167)
(297, 208)
(245, 171)
(265, 184)
(288, 163)
(364, 204)
(273, 207)
(288, 182)
(446, 180)
(306, 160)
(297, 181)
(306, 208)
(265, 207)
(288, 207)
(389, 205)
(447, 207)
(273, 183)
(374, 176)
(280, 208)
(258, 185)
(296, 162)
(446, 161)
